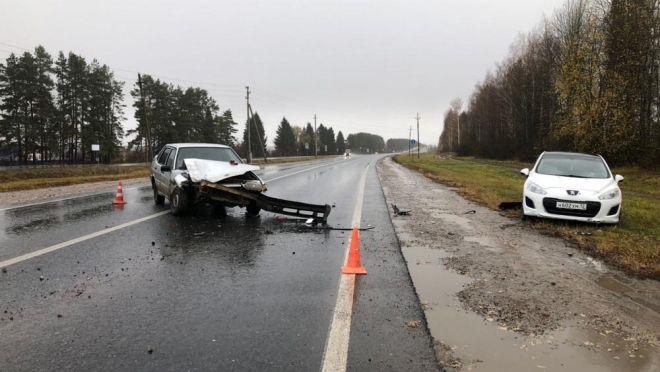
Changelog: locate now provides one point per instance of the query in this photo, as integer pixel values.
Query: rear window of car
(206, 153)
(572, 165)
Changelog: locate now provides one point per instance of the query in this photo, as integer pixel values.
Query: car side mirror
(618, 178)
(524, 172)
(166, 168)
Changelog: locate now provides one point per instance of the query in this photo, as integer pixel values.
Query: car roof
(570, 153)
(181, 145)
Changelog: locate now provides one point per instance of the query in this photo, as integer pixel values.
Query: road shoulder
(499, 296)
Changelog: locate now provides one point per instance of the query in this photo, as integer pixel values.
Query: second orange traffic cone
(119, 199)
(353, 265)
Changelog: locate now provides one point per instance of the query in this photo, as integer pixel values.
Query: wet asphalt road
(206, 292)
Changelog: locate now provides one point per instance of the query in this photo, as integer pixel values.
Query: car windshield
(206, 153)
(572, 165)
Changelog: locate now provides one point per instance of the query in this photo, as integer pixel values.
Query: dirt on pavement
(499, 296)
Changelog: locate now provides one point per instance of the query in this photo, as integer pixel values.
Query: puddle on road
(642, 293)
(613, 285)
(488, 346)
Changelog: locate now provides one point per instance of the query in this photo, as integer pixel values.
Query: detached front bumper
(242, 196)
(598, 211)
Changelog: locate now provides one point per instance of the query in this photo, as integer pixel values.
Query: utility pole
(146, 118)
(409, 138)
(249, 147)
(418, 134)
(316, 139)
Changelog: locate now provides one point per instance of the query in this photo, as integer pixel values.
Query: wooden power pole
(247, 124)
(418, 134)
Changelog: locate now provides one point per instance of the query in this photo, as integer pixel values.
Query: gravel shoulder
(499, 296)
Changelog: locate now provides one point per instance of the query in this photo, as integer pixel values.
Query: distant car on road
(572, 186)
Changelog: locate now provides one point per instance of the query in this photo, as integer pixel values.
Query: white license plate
(579, 206)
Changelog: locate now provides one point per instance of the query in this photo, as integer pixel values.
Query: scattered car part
(400, 212)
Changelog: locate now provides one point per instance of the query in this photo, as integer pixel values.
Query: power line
(14, 46)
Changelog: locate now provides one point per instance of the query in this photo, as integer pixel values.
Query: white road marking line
(78, 240)
(335, 355)
(69, 198)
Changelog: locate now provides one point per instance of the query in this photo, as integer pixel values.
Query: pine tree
(256, 132)
(308, 139)
(227, 128)
(12, 123)
(341, 143)
(285, 140)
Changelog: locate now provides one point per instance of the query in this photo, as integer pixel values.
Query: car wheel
(178, 202)
(218, 208)
(158, 199)
(252, 209)
(523, 216)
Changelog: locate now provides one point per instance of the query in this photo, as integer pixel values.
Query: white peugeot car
(572, 186)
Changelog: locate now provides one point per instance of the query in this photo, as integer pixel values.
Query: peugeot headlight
(610, 194)
(536, 189)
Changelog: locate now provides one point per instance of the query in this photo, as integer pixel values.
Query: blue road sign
(412, 141)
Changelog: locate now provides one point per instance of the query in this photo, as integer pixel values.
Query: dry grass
(37, 178)
(633, 245)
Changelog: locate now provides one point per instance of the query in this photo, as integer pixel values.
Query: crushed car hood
(214, 171)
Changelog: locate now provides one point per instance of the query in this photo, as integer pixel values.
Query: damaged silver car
(201, 173)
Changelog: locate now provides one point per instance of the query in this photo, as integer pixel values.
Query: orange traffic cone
(119, 199)
(353, 265)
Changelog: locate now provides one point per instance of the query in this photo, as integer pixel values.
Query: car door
(168, 178)
(161, 179)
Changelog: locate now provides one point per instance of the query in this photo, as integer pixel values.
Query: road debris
(399, 212)
(413, 324)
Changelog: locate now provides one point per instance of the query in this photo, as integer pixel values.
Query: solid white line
(78, 240)
(69, 198)
(335, 355)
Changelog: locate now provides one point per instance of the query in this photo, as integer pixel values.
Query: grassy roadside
(37, 178)
(633, 245)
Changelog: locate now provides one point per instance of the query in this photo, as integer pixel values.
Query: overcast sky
(360, 66)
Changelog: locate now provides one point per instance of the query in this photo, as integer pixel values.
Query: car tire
(523, 216)
(252, 209)
(158, 198)
(218, 208)
(178, 202)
